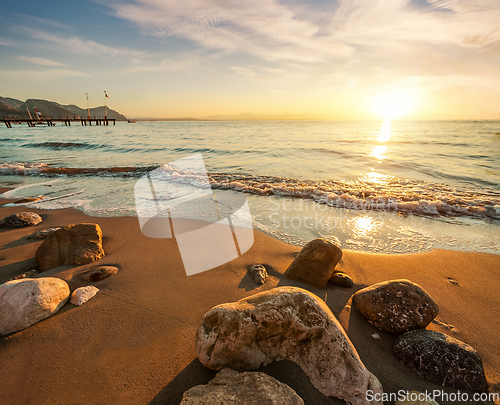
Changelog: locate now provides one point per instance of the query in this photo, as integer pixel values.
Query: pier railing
(51, 122)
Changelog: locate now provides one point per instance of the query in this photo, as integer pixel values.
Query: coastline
(134, 342)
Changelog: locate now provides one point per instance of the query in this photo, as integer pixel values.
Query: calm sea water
(392, 187)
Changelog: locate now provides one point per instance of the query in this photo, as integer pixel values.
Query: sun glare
(394, 104)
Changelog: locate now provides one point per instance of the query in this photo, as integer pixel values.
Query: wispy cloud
(79, 45)
(365, 30)
(41, 61)
(43, 74)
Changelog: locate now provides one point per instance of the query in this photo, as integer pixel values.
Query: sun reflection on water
(383, 136)
(364, 226)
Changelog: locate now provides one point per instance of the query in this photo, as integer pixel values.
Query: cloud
(263, 28)
(41, 61)
(305, 33)
(78, 45)
(44, 74)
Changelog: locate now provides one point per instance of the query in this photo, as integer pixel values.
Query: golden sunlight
(393, 104)
(364, 226)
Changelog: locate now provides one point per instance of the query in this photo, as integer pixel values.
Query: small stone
(28, 199)
(73, 244)
(342, 280)
(29, 274)
(286, 323)
(98, 273)
(376, 336)
(21, 219)
(315, 263)
(81, 295)
(44, 233)
(442, 359)
(396, 306)
(231, 387)
(28, 301)
(258, 273)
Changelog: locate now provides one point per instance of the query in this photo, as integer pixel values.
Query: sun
(393, 104)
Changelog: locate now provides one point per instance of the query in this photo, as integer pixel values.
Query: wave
(63, 145)
(383, 193)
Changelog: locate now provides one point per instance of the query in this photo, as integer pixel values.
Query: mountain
(94, 112)
(12, 108)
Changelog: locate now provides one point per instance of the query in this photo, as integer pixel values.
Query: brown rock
(341, 280)
(315, 263)
(98, 273)
(28, 199)
(442, 359)
(396, 306)
(74, 244)
(231, 387)
(285, 323)
(21, 219)
(258, 273)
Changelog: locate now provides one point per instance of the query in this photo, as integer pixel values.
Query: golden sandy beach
(133, 343)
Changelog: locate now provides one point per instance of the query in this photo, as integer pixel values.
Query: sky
(336, 59)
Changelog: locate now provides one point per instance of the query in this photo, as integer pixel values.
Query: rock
(396, 306)
(285, 323)
(81, 295)
(28, 199)
(98, 273)
(73, 244)
(28, 274)
(44, 233)
(417, 398)
(28, 301)
(315, 263)
(442, 359)
(258, 273)
(231, 387)
(342, 280)
(21, 219)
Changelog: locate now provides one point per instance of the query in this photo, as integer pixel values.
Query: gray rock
(81, 295)
(73, 244)
(231, 387)
(21, 219)
(342, 280)
(442, 359)
(285, 323)
(44, 233)
(258, 273)
(396, 306)
(98, 273)
(315, 263)
(25, 302)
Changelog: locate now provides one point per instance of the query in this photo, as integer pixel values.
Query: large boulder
(315, 263)
(21, 219)
(285, 323)
(231, 387)
(25, 302)
(396, 306)
(442, 359)
(73, 244)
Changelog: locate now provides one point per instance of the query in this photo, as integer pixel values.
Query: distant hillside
(12, 108)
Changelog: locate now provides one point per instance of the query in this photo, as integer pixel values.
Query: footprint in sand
(453, 281)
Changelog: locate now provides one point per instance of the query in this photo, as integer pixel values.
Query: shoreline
(134, 341)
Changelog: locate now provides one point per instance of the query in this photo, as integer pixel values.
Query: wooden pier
(51, 122)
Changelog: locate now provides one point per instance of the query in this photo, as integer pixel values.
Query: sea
(381, 187)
